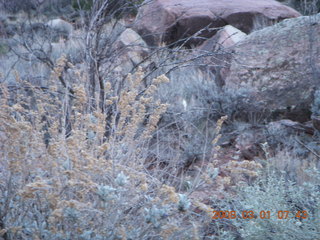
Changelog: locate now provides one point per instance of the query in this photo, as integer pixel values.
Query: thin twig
(313, 152)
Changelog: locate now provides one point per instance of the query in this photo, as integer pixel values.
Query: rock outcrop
(217, 46)
(228, 36)
(129, 49)
(279, 66)
(173, 20)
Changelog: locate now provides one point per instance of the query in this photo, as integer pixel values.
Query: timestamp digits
(262, 214)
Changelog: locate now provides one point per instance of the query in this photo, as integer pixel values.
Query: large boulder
(216, 48)
(225, 38)
(173, 20)
(129, 50)
(279, 66)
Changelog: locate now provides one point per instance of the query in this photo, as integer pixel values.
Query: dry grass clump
(242, 171)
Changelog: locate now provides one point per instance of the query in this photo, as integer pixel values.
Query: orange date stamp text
(258, 214)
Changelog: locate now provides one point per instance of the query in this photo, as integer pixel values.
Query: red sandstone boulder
(130, 50)
(172, 20)
(225, 38)
(217, 46)
(279, 66)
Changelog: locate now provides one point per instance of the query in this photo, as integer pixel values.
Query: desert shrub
(33, 53)
(36, 7)
(189, 123)
(3, 47)
(120, 7)
(85, 186)
(115, 7)
(18, 5)
(82, 4)
(72, 49)
(74, 182)
(305, 7)
(72, 170)
(273, 193)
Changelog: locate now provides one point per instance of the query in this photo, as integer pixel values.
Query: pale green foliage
(273, 193)
(184, 202)
(154, 215)
(121, 179)
(107, 193)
